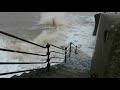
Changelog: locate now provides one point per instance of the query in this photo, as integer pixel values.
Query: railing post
(48, 56)
(76, 50)
(70, 50)
(65, 54)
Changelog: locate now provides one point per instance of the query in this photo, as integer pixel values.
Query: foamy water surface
(58, 28)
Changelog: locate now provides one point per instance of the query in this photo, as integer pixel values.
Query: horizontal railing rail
(67, 54)
(21, 39)
(57, 52)
(57, 57)
(55, 62)
(56, 47)
(1, 63)
(8, 50)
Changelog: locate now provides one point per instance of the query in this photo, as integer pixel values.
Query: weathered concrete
(112, 69)
(57, 71)
(103, 50)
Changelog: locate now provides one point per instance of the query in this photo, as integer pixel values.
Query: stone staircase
(76, 67)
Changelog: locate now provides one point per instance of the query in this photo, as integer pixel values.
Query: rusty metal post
(48, 56)
(76, 50)
(65, 54)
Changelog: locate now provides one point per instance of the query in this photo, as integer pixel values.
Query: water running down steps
(70, 27)
(71, 69)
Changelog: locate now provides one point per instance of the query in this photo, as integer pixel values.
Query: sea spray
(54, 27)
(52, 18)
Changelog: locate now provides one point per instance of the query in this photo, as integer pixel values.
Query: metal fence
(67, 51)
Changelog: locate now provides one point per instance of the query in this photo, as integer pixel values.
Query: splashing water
(52, 18)
(58, 28)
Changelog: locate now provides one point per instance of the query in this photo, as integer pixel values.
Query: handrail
(47, 54)
(57, 47)
(56, 52)
(21, 39)
(8, 50)
(57, 57)
(55, 62)
(22, 63)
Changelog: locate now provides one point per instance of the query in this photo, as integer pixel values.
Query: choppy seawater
(76, 27)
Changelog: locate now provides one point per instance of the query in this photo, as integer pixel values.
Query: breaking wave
(52, 26)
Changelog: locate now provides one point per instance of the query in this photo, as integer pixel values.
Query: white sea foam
(60, 28)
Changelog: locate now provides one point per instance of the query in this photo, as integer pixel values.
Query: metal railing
(68, 48)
